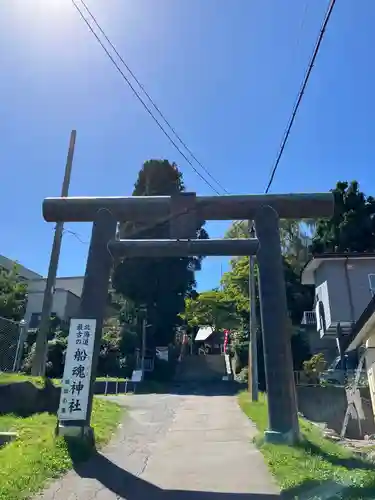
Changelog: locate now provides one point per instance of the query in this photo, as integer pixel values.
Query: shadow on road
(197, 389)
(329, 490)
(129, 487)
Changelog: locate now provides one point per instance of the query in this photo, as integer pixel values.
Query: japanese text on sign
(77, 370)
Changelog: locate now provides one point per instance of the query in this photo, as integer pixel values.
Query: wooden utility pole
(40, 358)
(253, 327)
(143, 350)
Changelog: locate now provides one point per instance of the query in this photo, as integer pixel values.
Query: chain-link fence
(11, 344)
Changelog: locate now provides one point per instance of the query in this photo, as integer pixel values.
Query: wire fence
(9, 344)
(338, 378)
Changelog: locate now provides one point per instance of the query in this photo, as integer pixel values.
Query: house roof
(203, 333)
(307, 274)
(23, 271)
(60, 278)
(56, 290)
(363, 328)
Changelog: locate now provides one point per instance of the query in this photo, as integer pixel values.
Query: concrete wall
(328, 405)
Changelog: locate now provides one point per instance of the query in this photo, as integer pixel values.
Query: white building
(66, 295)
(66, 299)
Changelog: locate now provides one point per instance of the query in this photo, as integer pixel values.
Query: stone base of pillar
(275, 437)
(85, 433)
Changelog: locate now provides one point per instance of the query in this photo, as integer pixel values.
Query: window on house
(36, 317)
(35, 320)
(371, 278)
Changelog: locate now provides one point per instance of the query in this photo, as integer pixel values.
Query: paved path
(174, 447)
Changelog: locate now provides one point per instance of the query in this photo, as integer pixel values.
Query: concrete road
(174, 446)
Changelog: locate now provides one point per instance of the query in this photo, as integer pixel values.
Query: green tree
(236, 286)
(117, 350)
(295, 238)
(13, 294)
(352, 227)
(299, 298)
(211, 308)
(56, 348)
(160, 284)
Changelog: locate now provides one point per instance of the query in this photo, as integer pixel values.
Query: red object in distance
(226, 338)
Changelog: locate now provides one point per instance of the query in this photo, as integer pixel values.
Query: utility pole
(143, 352)
(253, 327)
(39, 363)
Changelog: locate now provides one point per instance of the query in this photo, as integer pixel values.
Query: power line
(137, 232)
(77, 236)
(156, 107)
(299, 97)
(140, 98)
(289, 126)
(301, 92)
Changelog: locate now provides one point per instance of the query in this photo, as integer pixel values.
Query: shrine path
(192, 446)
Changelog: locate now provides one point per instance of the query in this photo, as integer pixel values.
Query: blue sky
(226, 74)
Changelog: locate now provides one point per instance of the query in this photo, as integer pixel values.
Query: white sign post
(75, 384)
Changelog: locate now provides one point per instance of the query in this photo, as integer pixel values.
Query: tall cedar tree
(161, 284)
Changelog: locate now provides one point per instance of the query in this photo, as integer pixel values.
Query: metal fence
(339, 378)
(11, 344)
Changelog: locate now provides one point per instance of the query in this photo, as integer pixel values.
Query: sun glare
(42, 24)
(48, 8)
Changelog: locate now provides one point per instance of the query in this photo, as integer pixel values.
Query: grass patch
(38, 456)
(316, 467)
(11, 378)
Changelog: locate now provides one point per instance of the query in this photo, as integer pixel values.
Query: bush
(314, 367)
(55, 356)
(243, 376)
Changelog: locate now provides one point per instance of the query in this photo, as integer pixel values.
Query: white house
(364, 335)
(66, 297)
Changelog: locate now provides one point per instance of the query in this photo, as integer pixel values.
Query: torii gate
(182, 211)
